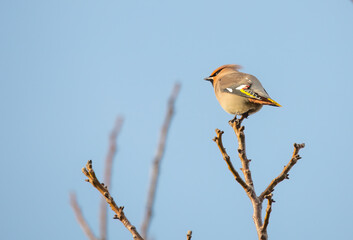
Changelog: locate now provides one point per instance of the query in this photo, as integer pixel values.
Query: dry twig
(248, 185)
(218, 140)
(284, 174)
(80, 219)
(268, 212)
(119, 211)
(157, 161)
(189, 235)
(108, 174)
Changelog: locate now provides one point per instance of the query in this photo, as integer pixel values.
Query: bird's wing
(246, 86)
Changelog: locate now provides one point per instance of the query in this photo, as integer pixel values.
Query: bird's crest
(231, 66)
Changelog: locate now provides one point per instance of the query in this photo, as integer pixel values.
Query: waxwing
(239, 93)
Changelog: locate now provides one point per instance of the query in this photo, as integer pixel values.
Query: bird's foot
(240, 120)
(233, 120)
(243, 116)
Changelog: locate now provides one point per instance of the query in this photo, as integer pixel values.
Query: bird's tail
(265, 101)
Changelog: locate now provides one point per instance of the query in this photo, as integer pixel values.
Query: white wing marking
(241, 87)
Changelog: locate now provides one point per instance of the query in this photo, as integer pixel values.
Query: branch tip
(189, 235)
(285, 173)
(299, 145)
(118, 210)
(219, 132)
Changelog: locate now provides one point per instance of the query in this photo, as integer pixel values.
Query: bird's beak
(209, 79)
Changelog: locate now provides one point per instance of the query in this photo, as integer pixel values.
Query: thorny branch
(261, 227)
(108, 174)
(119, 211)
(80, 219)
(157, 161)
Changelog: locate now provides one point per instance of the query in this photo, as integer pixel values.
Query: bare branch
(108, 174)
(157, 161)
(189, 235)
(268, 212)
(89, 172)
(80, 219)
(284, 174)
(239, 131)
(248, 183)
(218, 140)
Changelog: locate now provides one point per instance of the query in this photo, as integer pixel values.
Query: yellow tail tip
(274, 102)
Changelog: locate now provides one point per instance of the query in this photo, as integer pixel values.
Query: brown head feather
(231, 66)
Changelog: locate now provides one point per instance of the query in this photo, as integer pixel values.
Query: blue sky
(68, 68)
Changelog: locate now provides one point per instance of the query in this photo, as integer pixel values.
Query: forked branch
(119, 211)
(248, 185)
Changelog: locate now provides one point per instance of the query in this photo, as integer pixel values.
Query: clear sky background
(68, 68)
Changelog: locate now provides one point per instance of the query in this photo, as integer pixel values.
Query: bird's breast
(235, 104)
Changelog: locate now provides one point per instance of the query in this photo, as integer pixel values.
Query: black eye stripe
(216, 73)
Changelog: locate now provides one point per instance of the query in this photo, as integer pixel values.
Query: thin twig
(119, 211)
(189, 235)
(268, 212)
(257, 205)
(108, 174)
(218, 140)
(80, 219)
(239, 131)
(284, 174)
(157, 161)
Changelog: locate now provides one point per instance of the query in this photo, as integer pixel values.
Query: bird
(239, 93)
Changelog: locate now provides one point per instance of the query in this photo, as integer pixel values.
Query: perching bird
(239, 93)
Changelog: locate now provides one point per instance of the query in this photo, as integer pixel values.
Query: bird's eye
(216, 73)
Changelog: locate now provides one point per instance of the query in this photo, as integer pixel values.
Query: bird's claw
(233, 120)
(240, 120)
